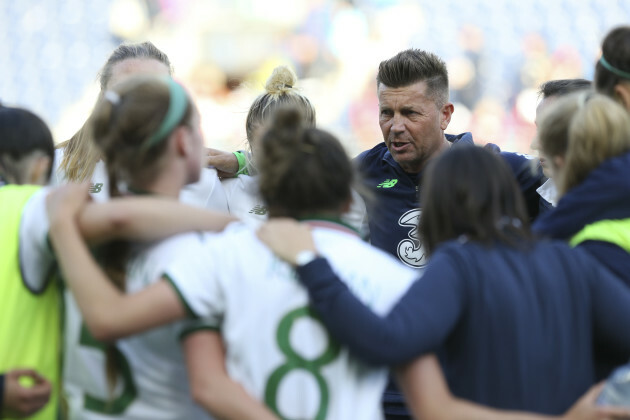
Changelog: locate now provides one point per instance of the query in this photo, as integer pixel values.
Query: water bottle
(617, 388)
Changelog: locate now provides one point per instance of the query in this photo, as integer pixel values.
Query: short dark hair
(616, 51)
(563, 87)
(471, 191)
(412, 66)
(21, 134)
(303, 170)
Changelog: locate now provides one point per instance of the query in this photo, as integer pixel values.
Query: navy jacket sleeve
(419, 323)
(611, 256)
(611, 312)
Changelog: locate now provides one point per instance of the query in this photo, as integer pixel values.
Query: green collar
(138, 191)
(317, 219)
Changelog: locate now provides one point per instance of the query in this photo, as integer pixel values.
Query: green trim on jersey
(30, 322)
(192, 330)
(616, 232)
(139, 191)
(189, 311)
(330, 219)
(115, 405)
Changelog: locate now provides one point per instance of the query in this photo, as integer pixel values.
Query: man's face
(412, 124)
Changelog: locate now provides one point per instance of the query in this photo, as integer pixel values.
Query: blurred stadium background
(498, 53)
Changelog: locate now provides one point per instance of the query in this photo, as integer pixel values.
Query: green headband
(614, 70)
(178, 102)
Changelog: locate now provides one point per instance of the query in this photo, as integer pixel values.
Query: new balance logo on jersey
(259, 210)
(96, 188)
(388, 183)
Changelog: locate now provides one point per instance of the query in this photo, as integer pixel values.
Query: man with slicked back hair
(414, 114)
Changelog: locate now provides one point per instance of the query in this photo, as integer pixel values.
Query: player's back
(243, 199)
(207, 192)
(276, 346)
(152, 382)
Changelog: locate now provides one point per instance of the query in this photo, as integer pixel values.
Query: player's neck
(161, 186)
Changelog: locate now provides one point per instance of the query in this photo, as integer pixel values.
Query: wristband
(242, 163)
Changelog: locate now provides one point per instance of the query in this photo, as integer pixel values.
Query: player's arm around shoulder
(108, 311)
(428, 396)
(146, 218)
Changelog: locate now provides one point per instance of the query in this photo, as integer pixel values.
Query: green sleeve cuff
(189, 331)
(242, 163)
(189, 311)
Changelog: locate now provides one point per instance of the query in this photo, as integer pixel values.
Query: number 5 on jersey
(119, 404)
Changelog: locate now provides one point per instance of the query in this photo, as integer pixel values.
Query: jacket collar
(456, 140)
(604, 194)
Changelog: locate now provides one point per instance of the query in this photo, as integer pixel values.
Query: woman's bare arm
(146, 219)
(108, 312)
(211, 387)
(428, 396)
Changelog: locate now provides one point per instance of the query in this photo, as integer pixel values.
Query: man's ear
(445, 115)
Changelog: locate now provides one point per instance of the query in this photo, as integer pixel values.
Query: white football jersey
(36, 257)
(244, 202)
(99, 181)
(207, 192)
(152, 381)
(276, 346)
(243, 199)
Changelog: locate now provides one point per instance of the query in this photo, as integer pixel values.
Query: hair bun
(281, 80)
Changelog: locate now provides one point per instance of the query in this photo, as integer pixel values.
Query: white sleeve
(397, 284)
(58, 176)
(375, 277)
(36, 256)
(207, 193)
(194, 276)
(356, 216)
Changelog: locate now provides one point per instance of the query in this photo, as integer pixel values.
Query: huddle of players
(222, 304)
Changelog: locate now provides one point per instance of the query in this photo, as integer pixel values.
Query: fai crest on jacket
(410, 250)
